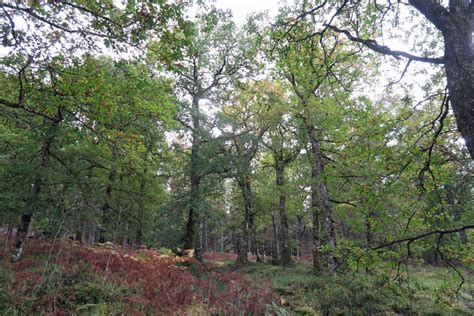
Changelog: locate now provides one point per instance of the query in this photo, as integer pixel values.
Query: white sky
(241, 8)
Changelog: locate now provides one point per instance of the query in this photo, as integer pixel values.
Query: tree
(314, 67)
(212, 57)
(86, 102)
(243, 123)
(283, 144)
(454, 22)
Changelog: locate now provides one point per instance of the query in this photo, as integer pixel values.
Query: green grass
(425, 290)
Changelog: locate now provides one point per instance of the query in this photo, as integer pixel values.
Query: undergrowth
(69, 278)
(303, 293)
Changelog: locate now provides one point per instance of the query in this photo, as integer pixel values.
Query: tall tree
(314, 68)
(212, 57)
(282, 141)
(362, 21)
(243, 123)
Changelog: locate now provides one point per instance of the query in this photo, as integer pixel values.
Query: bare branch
(373, 45)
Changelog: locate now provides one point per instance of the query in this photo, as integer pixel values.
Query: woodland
(159, 158)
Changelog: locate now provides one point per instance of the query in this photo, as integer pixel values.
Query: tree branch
(430, 233)
(373, 45)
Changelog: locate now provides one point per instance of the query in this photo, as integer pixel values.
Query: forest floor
(65, 277)
(418, 290)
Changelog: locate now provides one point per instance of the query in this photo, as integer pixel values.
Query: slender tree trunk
(139, 232)
(246, 189)
(125, 239)
(319, 184)
(84, 231)
(253, 236)
(316, 234)
(275, 243)
(198, 247)
(285, 258)
(190, 238)
(9, 231)
(207, 242)
(222, 241)
(108, 197)
(32, 200)
(369, 234)
(300, 229)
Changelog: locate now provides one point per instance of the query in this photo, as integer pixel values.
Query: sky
(241, 8)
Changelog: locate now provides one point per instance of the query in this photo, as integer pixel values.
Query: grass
(430, 291)
(142, 282)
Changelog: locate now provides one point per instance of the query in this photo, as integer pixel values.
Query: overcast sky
(241, 8)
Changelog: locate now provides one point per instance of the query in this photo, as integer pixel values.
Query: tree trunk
(275, 248)
(198, 247)
(246, 189)
(459, 52)
(253, 235)
(319, 184)
(317, 254)
(369, 234)
(457, 27)
(32, 200)
(221, 241)
(125, 239)
(285, 258)
(190, 238)
(108, 197)
(9, 231)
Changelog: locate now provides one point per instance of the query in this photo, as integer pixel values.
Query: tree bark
(108, 197)
(317, 254)
(125, 239)
(221, 241)
(285, 258)
(32, 200)
(275, 243)
(246, 189)
(456, 23)
(190, 238)
(319, 185)
(459, 55)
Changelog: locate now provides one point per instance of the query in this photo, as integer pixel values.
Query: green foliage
(121, 149)
(355, 293)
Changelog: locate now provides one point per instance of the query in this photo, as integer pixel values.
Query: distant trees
(193, 146)
(75, 107)
(212, 57)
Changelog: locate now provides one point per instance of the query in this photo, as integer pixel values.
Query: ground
(66, 277)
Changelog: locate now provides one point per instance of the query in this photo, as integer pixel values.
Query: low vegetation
(66, 277)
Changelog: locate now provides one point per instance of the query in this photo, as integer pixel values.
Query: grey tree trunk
(285, 258)
(125, 239)
(246, 189)
(32, 200)
(195, 179)
(318, 265)
(459, 54)
(319, 184)
(108, 196)
(457, 27)
(275, 243)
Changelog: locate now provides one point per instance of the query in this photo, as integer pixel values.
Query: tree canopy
(307, 135)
